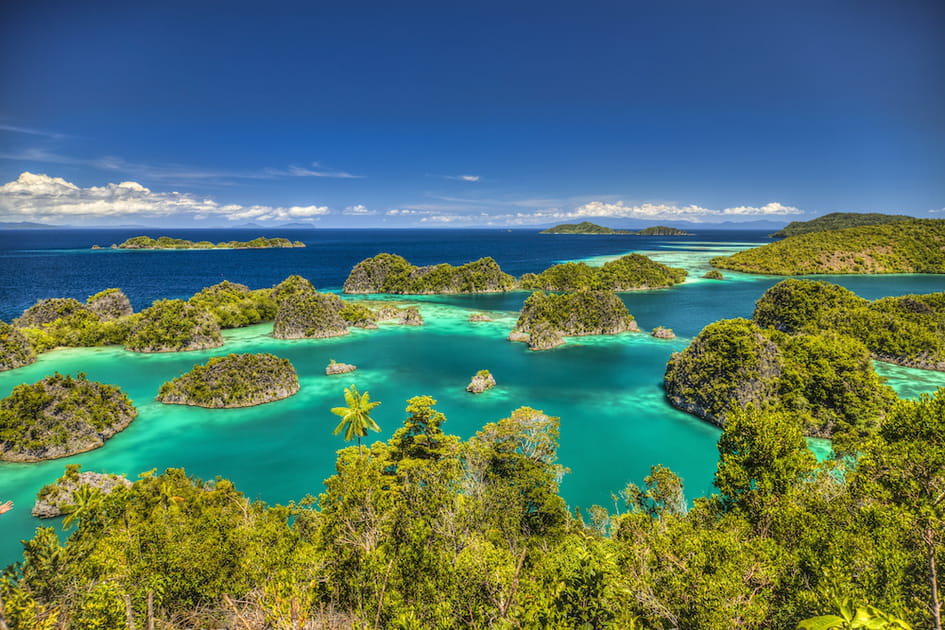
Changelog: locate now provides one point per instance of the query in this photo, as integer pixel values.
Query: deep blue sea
(615, 422)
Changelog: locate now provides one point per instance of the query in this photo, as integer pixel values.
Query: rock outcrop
(236, 380)
(15, 348)
(482, 381)
(339, 368)
(663, 333)
(174, 326)
(389, 273)
(110, 304)
(312, 316)
(479, 317)
(549, 317)
(410, 316)
(55, 499)
(713, 274)
(60, 416)
(47, 311)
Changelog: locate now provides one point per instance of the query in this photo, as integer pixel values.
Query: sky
(442, 114)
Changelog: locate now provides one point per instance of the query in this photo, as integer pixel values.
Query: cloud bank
(657, 212)
(41, 198)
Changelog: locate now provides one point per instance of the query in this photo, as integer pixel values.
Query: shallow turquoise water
(615, 423)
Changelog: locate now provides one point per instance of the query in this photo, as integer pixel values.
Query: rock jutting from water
(310, 316)
(174, 326)
(479, 317)
(482, 381)
(60, 416)
(389, 273)
(339, 368)
(110, 304)
(547, 318)
(55, 499)
(663, 333)
(236, 380)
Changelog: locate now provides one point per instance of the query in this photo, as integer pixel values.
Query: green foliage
(15, 348)
(826, 381)
(389, 273)
(309, 316)
(59, 416)
(234, 305)
(357, 314)
(908, 246)
(713, 274)
(852, 617)
(627, 273)
(166, 242)
(356, 417)
(838, 221)
(292, 288)
(172, 326)
(908, 329)
(579, 313)
(236, 380)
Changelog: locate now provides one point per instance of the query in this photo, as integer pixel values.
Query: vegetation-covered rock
(628, 273)
(388, 273)
(166, 242)
(293, 287)
(174, 326)
(15, 349)
(236, 380)
(713, 274)
(410, 316)
(49, 310)
(60, 416)
(235, 305)
(838, 221)
(358, 315)
(479, 317)
(573, 314)
(907, 330)
(339, 368)
(482, 381)
(826, 380)
(544, 336)
(67, 322)
(663, 333)
(311, 316)
(908, 246)
(110, 304)
(58, 498)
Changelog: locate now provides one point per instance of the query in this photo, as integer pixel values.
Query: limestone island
(907, 330)
(906, 246)
(15, 349)
(838, 221)
(628, 273)
(166, 242)
(548, 318)
(734, 363)
(586, 227)
(663, 333)
(389, 273)
(60, 416)
(56, 499)
(713, 274)
(482, 381)
(174, 326)
(236, 380)
(236, 305)
(339, 368)
(310, 316)
(479, 317)
(106, 318)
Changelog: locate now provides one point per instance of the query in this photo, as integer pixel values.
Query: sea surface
(607, 391)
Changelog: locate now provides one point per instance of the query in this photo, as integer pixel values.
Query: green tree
(356, 418)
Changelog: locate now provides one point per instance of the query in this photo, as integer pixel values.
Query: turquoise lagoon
(615, 422)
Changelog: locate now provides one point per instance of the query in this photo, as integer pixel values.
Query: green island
(235, 305)
(428, 530)
(310, 316)
(907, 246)
(236, 380)
(586, 227)
(907, 330)
(389, 273)
(105, 318)
(627, 273)
(547, 317)
(15, 349)
(64, 495)
(838, 221)
(173, 326)
(60, 416)
(166, 242)
(824, 381)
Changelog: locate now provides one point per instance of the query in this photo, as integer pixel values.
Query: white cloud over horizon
(463, 178)
(663, 211)
(359, 210)
(39, 197)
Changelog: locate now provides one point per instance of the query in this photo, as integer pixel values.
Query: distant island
(907, 246)
(838, 221)
(628, 273)
(236, 380)
(586, 227)
(166, 242)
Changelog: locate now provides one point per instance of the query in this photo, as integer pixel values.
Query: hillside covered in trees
(838, 221)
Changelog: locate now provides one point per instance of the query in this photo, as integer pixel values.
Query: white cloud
(942, 210)
(662, 211)
(463, 178)
(32, 132)
(36, 197)
(398, 212)
(359, 211)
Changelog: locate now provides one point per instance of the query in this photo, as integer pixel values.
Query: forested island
(838, 221)
(547, 318)
(236, 380)
(586, 227)
(166, 242)
(60, 416)
(906, 246)
(627, 273)
(389, 273)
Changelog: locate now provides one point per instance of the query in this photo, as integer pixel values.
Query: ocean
(607, 391)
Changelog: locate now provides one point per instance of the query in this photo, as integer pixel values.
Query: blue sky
(361, 114)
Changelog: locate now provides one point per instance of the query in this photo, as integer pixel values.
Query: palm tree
(355, 418)
(84, 500)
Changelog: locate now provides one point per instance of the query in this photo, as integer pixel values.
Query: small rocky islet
(57, 498)
(236, 380)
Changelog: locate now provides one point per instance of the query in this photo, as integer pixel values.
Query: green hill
(586, 227)
(837, 221)
(909, 246)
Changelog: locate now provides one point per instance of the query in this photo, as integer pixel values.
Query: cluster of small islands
(805, 357)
